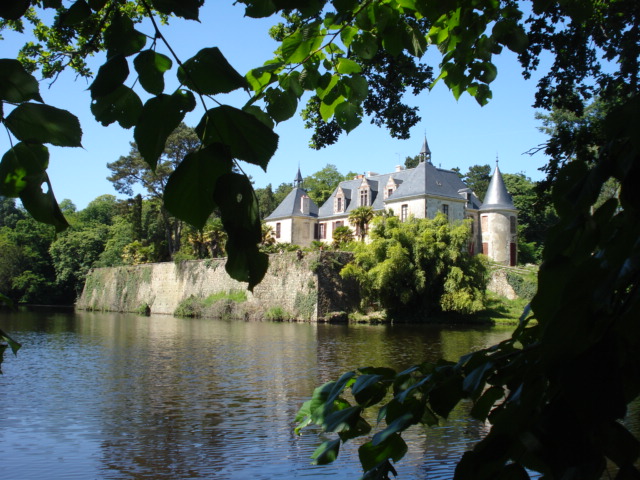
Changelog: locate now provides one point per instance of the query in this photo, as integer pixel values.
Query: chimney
(304, 205)
(399, 168)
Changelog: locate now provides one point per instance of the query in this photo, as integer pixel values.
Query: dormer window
(339, 202)
(390, 187)
(364, 196)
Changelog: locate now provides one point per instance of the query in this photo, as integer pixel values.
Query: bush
(190, 307)
(277, 314)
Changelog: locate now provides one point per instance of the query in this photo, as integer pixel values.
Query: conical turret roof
(425, 151)
(497, 196)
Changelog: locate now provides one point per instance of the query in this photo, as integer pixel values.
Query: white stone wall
(415, 207)
(286, 229)
(497, 236)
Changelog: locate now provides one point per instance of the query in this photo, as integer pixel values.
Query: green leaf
(342, 419)
(236, 199)
(16, 84)
(110, 76)
(97, 5)
(188, 9)
(121, 38)
(151, 67)
(446, 395)
(368, 389)
(475, 380)
(298, 46)
(489, 73)
(483, 405)
(35, 123)
(365, 45)
(42, 205)
(75, 14)
(328, 109)
(281, 105)
(356, 88)
(13, 9)
(160, 116)
(209, 73)
(416, 42)
(346, 66)
(15, 346)
(189, 191)
(247, 137)
(398, 425)
(122, 105)
(393, 447)
(260, 115)
(260, 77)
(348, 116)
(326, 453)
(22, 165)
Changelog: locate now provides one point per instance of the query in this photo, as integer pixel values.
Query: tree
(420, 267)
(132, 171)
(342, 236)
(321, 184)
(360, 217)
(537, 388)
(477, 179)
(412, 162)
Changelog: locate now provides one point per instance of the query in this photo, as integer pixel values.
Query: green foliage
(524, 286)
(342, 236)
(360, 217)
(277, 314)
(144, 309)
(321, 184)
(419, 267)
(196, 307)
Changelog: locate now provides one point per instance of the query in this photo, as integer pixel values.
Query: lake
(120, 396)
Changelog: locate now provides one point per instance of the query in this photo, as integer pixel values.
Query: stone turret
(499, 222)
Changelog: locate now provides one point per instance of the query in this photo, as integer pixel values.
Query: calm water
(112, 396)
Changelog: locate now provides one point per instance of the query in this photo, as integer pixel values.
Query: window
(512, 225)
(305, 230)
(278, 230)
(404, 212)
(322, 231)
(316, 231)
(484, 223)
(445, 209)
(338, 204)
(364, 197)
(389, 192)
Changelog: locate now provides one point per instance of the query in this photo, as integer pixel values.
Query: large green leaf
(247, 137)
(111, 75)
(13, 9)
(182, 8)
(151, 67)
(42, 205)
(298, 46)
(392, 448)
(241, 219)
(16, 84)
(281, 105)
(122, 105)
(348, 115)
(365, 45)
(209, 73)
(121, 38)
(346, 66)
(22, 165)
(75, 14)
(189, 191)
(35, 123)
(160, 116)
(327, 452)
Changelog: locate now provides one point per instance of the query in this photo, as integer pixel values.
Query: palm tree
(360, 218)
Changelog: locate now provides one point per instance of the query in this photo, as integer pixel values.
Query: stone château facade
(419, 192)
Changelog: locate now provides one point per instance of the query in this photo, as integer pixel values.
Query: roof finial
(297, 182)
(425, 152)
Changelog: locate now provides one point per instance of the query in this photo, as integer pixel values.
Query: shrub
(277, 314)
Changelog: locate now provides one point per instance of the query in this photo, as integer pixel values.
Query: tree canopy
(554, 393)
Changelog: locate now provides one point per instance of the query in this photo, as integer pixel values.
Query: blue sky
(460, 133)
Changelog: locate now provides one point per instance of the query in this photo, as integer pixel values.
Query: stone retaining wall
(305, 285)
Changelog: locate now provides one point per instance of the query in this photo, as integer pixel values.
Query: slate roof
(497, 196)
(290, 206)
(423, 180)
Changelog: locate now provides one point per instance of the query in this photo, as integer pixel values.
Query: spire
(425, 153)
(497, 196)
(297, 182)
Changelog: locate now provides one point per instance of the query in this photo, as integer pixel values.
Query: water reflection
(119, 396)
